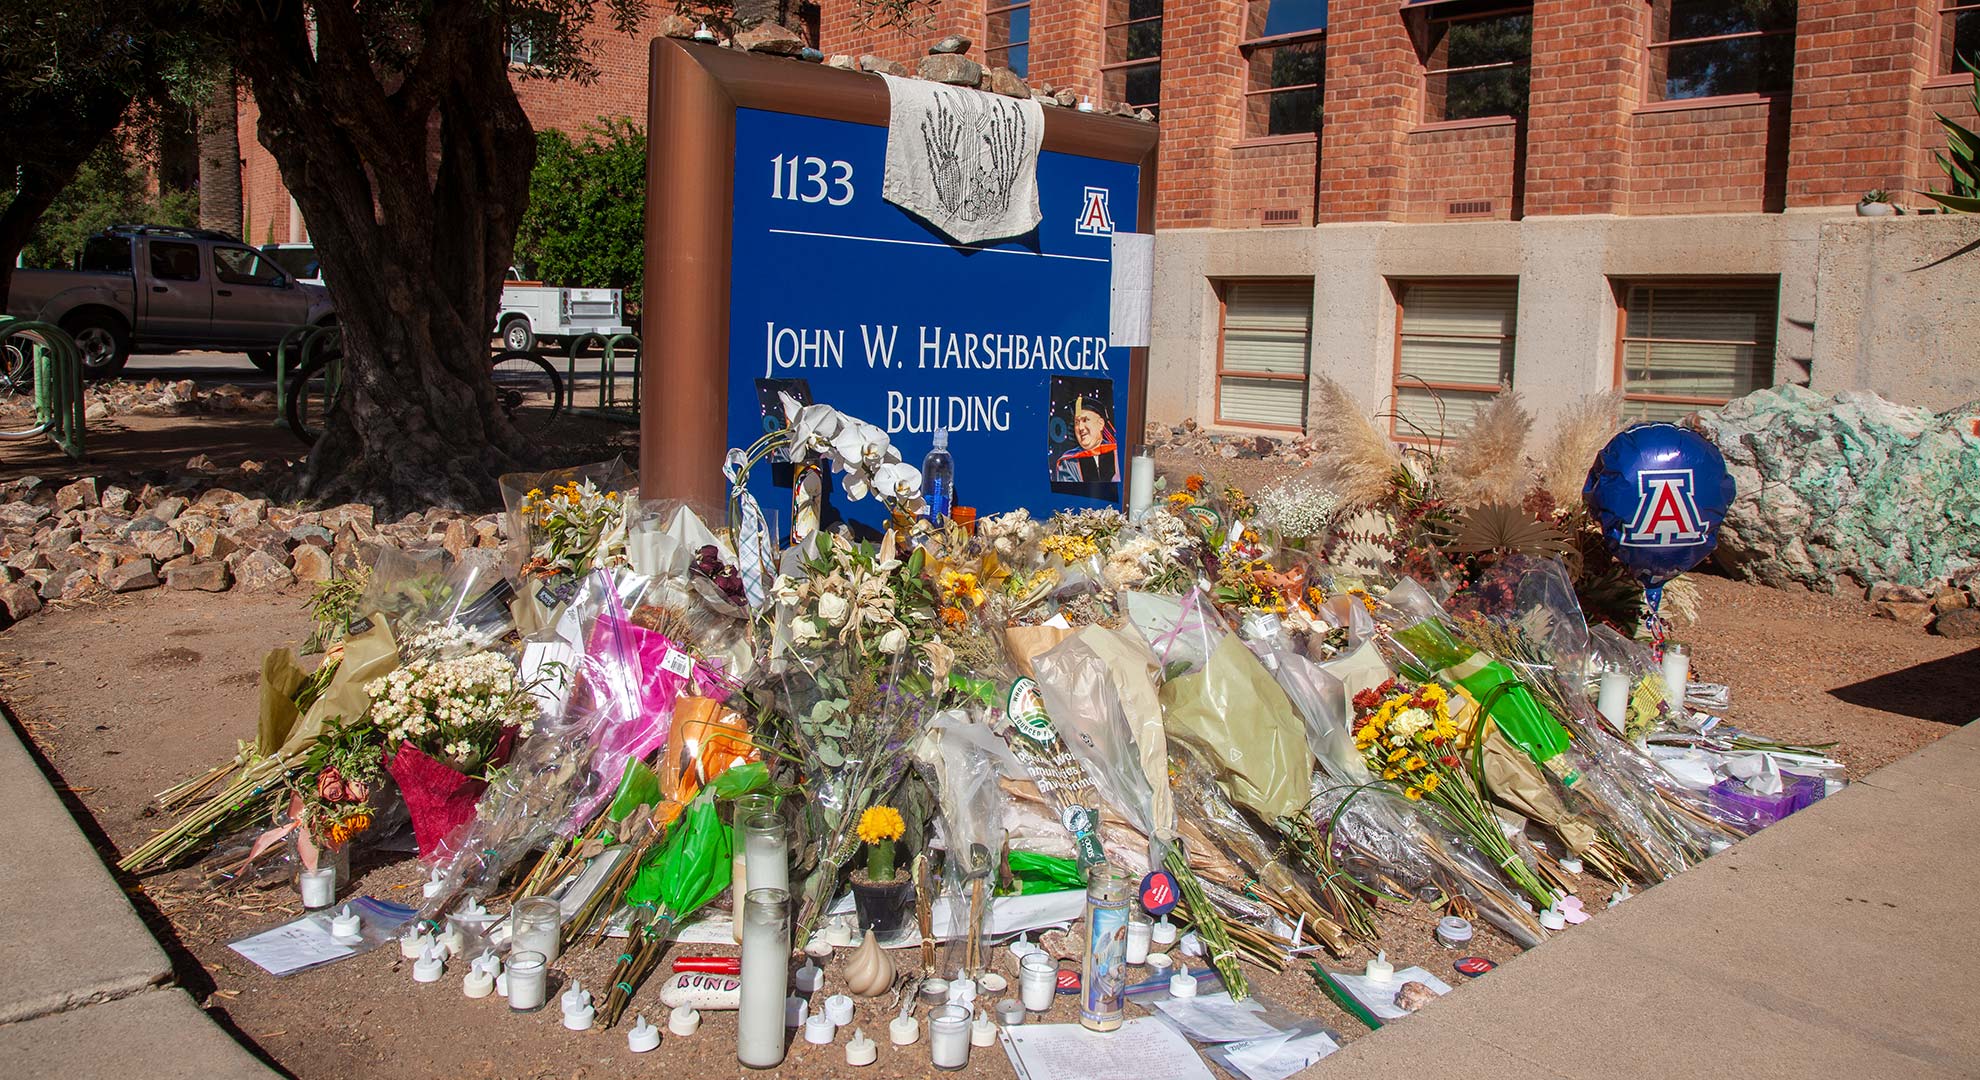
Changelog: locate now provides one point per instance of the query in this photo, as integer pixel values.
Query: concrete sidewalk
(1837, 943)
(87, 990)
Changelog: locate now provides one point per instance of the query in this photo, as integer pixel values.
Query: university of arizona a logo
(1666, 511)
(1093, 218)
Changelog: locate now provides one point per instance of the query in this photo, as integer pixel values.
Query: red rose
(1450, 761)
(356, 791)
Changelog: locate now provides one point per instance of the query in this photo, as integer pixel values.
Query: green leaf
(829, 756)
(1964, 204)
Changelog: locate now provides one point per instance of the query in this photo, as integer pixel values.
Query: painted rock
(701, 990)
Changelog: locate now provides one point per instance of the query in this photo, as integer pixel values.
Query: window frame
(1146, 61)
(1222, 290)
(1248, 47)
(1945, 68)
(1659, 96)
(519, 39)
(1400, 287)
(990, 51)
(1432, 19)
(1622, 287)
(151, 249)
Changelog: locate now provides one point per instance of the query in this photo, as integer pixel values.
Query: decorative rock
(169, 508)
(772, 38)
(116, 499)
(22, 515)
(163, 545)
(1950, 599)
(1067, 99)
(311, 563)
(69, 586)
(954, 43)
(1905, 614)
(1146, 116)
(842, 61)
(1959, 623)
(19, 599)
(811, 56)
(1002, 80)
(210, 543)
(882, 66)
(313, 534)
(1903, 594)
(675, 26)
(1854, 487)
(200, 577)
(701, 990)
(258, 571)
(81, 494)
(132, 576)
(951, 68)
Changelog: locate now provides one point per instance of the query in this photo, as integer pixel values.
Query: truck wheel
(516, 334)
(103, 341)
(263, 359)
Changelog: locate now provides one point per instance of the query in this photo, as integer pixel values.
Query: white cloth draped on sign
(963, 160)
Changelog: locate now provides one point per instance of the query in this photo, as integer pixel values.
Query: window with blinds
(1454, 352)
(1261, 367)
(1693, 346)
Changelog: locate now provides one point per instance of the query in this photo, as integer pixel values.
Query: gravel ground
(130, 696)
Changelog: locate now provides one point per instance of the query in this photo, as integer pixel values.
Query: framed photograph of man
(1085, 456)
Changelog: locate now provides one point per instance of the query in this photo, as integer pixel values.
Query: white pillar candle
(948, 1037)
(1141, 484)
(1140, 932)
(747, 806)
(1612, 700)
(1038, 981)
(1677, 671)
(527, 975)
(766, 955)
(767, 852)
(318, 887)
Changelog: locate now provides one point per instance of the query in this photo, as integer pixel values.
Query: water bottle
(938, 478)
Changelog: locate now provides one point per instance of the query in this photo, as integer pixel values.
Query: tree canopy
(586, 221)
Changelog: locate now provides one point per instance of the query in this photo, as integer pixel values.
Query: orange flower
(1193, 484)
(953, 616)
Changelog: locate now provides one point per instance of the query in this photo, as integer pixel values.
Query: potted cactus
(1875, 203)
(881, 892)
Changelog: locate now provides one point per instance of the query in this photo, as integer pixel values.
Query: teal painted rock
(1842, 492)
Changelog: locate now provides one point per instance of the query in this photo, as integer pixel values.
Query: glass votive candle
(528, 976)
(318, 887)
(948, 1037)
(537, 925)
(767, 851)
(1038, 981)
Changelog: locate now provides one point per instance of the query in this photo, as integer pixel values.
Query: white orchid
(813, 428)
(896, 480)
(857, 484)
(833, 608)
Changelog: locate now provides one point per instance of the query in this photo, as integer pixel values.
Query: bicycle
(528, 389)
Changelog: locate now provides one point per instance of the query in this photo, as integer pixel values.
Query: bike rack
(58, 393)
(608, 406)
(296, 337)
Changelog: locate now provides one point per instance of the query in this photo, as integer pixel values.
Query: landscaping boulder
(1959, 623)
(772, 38)
(79, 495)
(132, 576)
(258, 571)
(952, 68)
(1002, 80)
(204, 577)
(1847, 490)
(311, 563)
(19, 599)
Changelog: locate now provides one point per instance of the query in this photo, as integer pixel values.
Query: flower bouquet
(451, 716)
(1406, 733)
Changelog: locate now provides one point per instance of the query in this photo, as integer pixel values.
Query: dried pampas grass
(1358, 460)
(1488, 464)
(1681, 601)
(1585, 427)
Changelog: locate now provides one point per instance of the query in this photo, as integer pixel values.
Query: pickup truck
(155, 288)
(533, 312)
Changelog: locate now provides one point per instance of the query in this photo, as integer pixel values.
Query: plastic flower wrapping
(1313, 705)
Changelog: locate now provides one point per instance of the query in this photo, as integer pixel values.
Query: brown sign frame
(692, 96)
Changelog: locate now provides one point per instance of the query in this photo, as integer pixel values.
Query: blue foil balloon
(1659, 492)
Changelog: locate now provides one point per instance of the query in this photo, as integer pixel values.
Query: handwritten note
(293, 946)
(1143, 1049)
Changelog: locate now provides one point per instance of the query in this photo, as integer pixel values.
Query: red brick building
(1429, 199)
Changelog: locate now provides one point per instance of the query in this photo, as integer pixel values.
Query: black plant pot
(883, 907)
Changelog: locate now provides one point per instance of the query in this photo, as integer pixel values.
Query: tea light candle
(1140, 932)
(684, 1020)
(1010, 1012)
(643, 1036)
(934, 991)
(948, 1037)
(1612, 700)
(527, 976)
(992, 983)
(809, 978)
(429, 967)
(839, 934)
(820, 1030)
(414, 944)
(1038, 982)
(983, 1031)
(318, 887)
(1552, 919)
(537, 925)
(962, 991)
(1677, 671)
(431, 887)
(1161, 936)
(861, 1051)
(1160, 962)
(347, 927)
(796, 1011)
(451, 940)
(1182, 984)
(1379, 969)
(903, 1030)
(839, 1009)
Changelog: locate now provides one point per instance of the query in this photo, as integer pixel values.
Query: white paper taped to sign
(1133, 290)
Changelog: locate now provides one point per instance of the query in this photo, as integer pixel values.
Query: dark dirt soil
(125, 698)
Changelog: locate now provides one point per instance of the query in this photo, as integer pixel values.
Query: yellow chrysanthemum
(1413, 793)
(1397, 755)
(1390, 774)
(1430, 782)
(880, 823)
(1413, 764)
(1181, 499)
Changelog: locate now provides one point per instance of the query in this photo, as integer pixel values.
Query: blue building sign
(840, 297)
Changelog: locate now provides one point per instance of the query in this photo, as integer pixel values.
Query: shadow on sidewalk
(1938, 690)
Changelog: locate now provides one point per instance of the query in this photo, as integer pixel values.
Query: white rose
(804, 631)
(833, 608)
(893, 641)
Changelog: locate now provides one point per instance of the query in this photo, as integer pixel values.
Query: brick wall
(1374, 97)
(1271, 176)
(1068, 44)
(839, 32)
(1469, 162)
(1859, 67)
(1956, 102)
(1708, 159)
(1203, 77)
(1587, 76)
